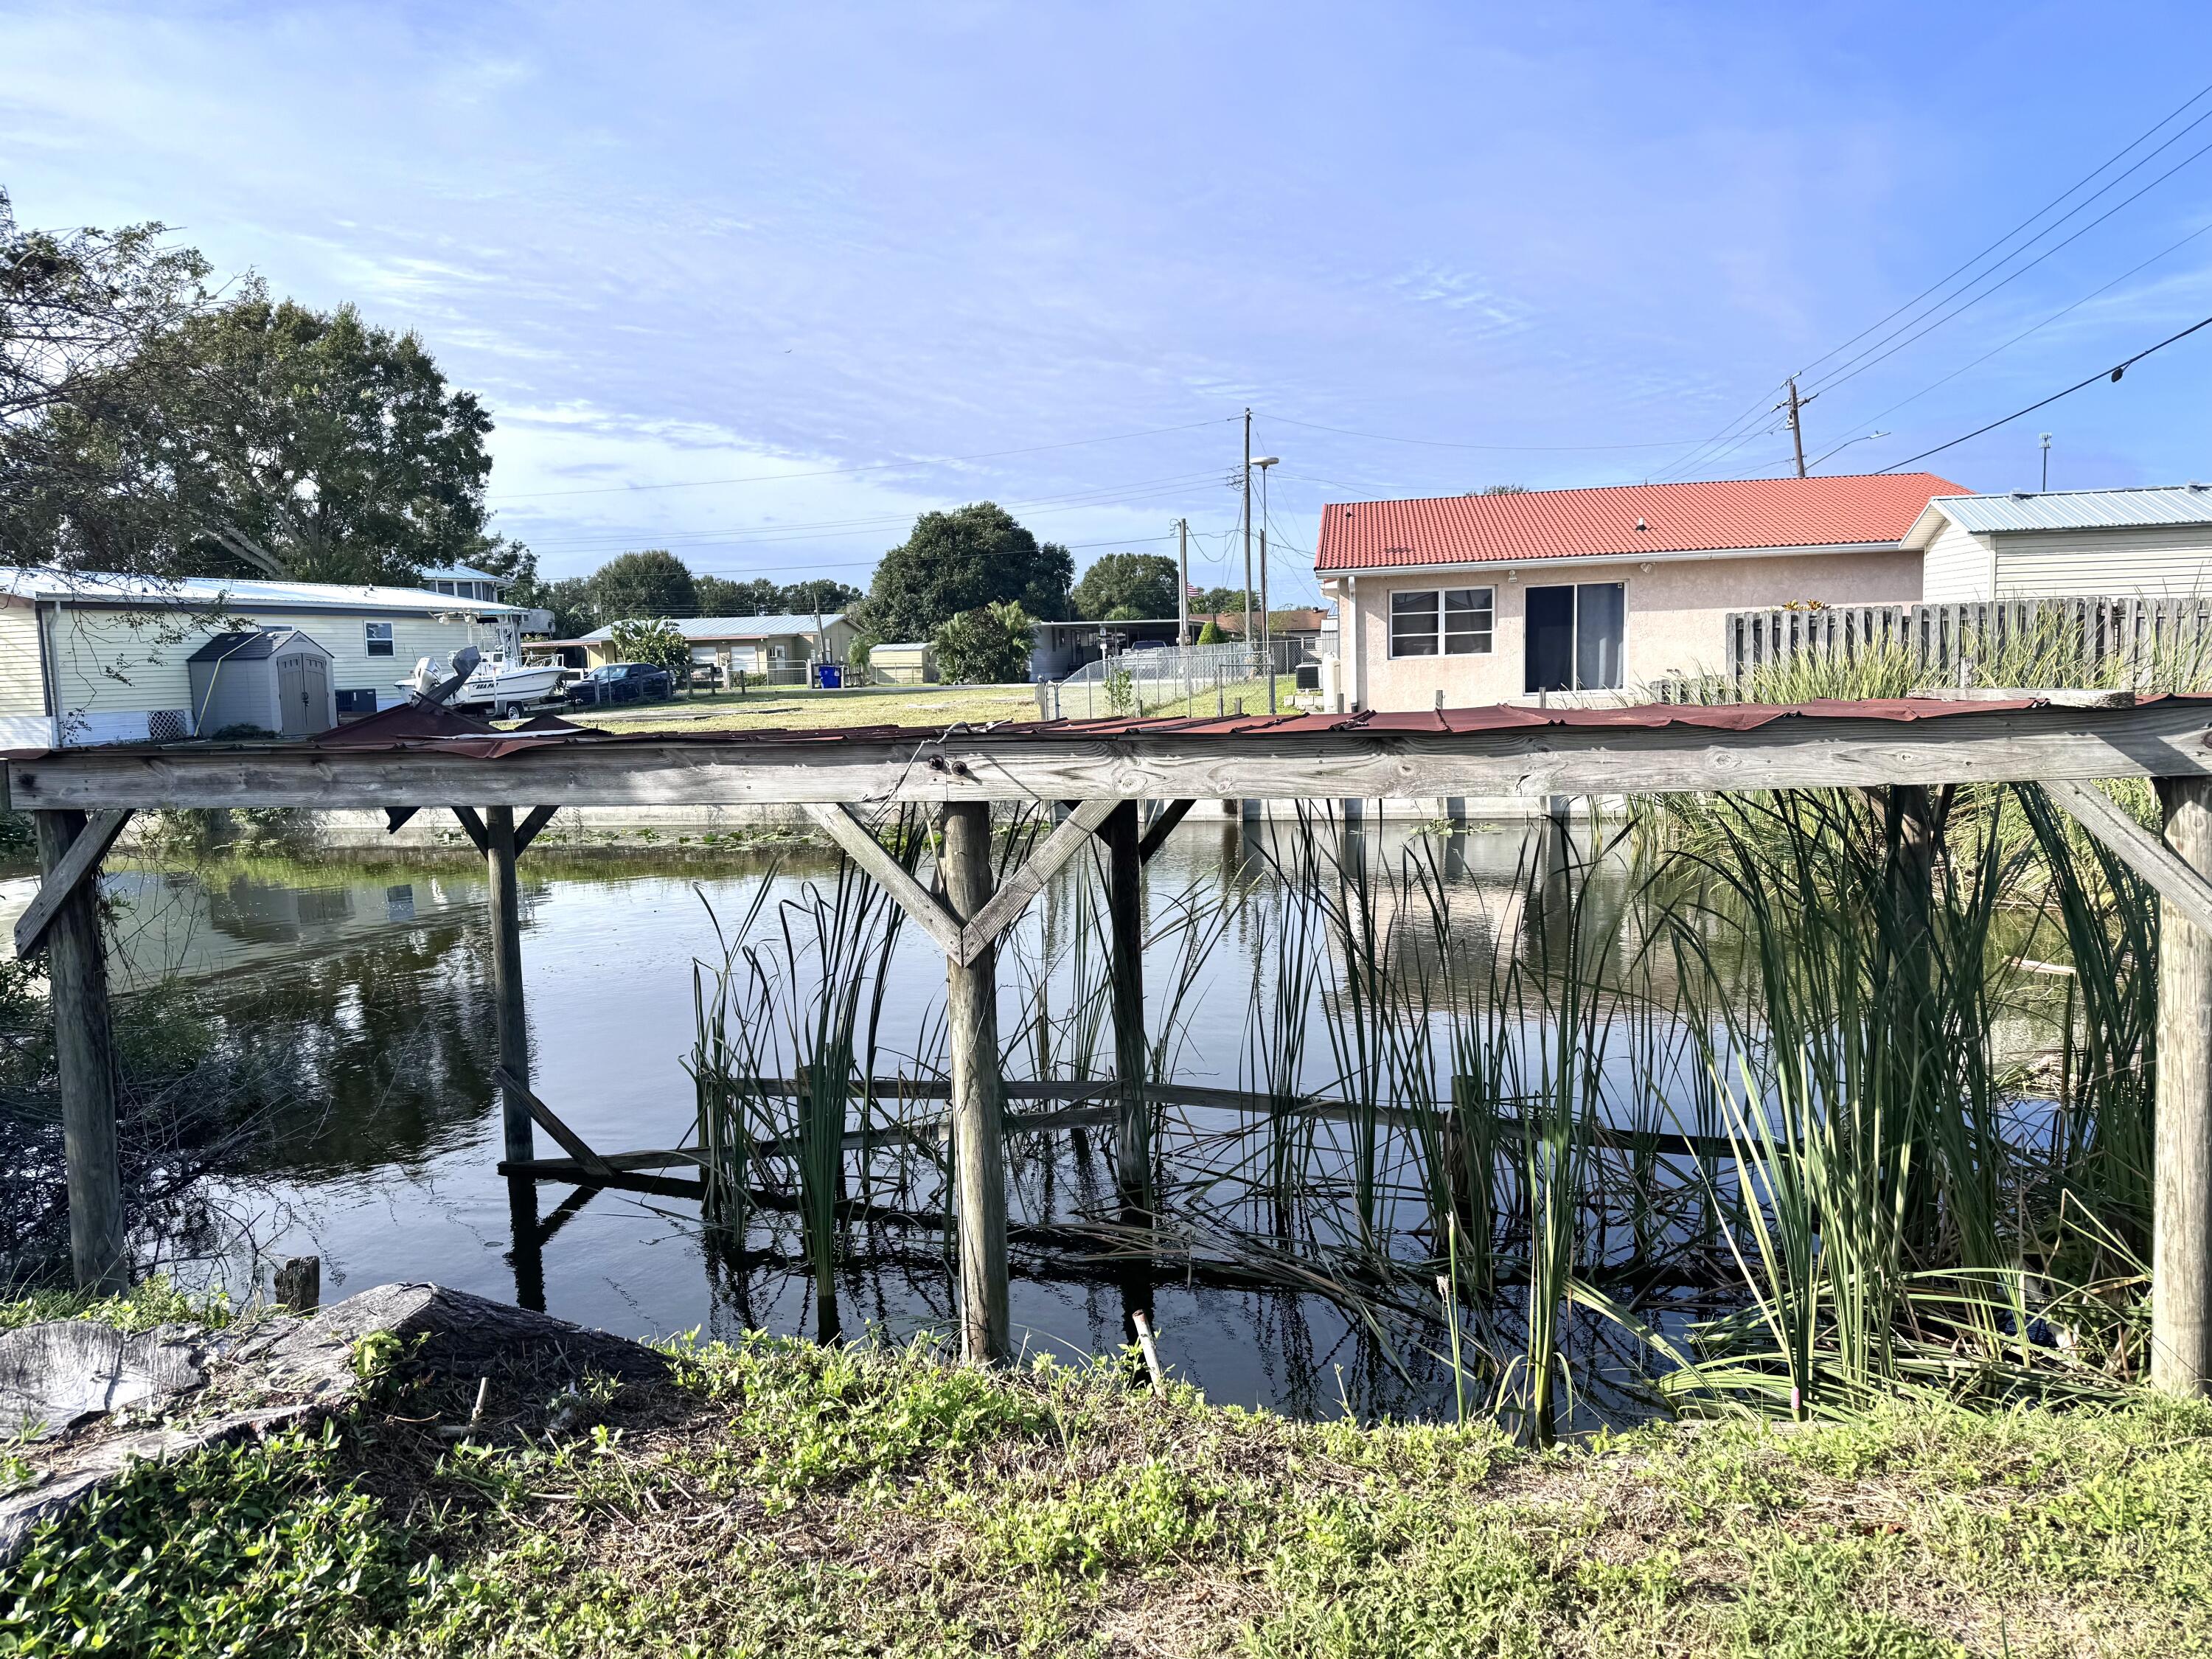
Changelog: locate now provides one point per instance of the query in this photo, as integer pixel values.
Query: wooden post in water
(507, 978)
(2181, 1203)
(1125, 906)
(84, 1060)
(978, 1141)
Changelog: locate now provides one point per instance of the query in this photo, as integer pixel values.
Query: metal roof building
(2068, 544)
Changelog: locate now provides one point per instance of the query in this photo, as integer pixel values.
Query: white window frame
(1440, 640)
(370, 641)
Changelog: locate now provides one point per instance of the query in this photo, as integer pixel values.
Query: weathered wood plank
(2056, 696)
(84, 1065)
(924, 907)
(1000, 913)
(2166, 738)
(979, 1161)
(2169, 875)
(75, 867)
(2181, 1198)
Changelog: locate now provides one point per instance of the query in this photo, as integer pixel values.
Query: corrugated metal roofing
(1870, 511)
(2078, 509)
(415, 727)
(736, 628)
(101, 588)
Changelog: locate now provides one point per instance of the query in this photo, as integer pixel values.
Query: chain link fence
(1190, 680)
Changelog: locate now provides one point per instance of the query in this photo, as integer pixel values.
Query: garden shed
(907, 662)
(272, 679)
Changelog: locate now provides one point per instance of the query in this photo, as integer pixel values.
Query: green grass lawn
(762, 710)
(781, 1498)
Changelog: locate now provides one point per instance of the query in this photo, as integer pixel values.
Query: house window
(377, 638)
(1573, 637)
(1452, 621)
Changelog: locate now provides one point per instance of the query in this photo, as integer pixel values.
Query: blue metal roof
(2078, 509)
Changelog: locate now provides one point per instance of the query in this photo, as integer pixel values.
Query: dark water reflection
(362, 991)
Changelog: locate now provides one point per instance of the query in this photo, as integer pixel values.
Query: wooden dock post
(2181, 1204)
(84, 1059)
(1125, 906)
(507, 979)
(978, 1140)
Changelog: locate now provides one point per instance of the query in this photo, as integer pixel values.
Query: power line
(1976, 259)
(835, 472)
(2036, 328)
(1733, 436)
(1838, 378)
(1105, 496)
(1514, 449)
(2113, 374)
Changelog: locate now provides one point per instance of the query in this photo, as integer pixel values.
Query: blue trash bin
(828, 676)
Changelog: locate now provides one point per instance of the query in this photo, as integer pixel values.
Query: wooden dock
(504, 786)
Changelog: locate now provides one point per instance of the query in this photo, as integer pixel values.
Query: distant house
(1596, 592)
(2108, 544)
(465, 581)
(774, 648)
(87, 658)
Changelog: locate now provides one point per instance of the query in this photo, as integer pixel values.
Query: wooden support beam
(84, 1062)
(923, 908)
(396, 817)
(506, 977)
(2166, 737)
(473, 828)
(1125, 906)
(527, 831)
(1156, 832)
(2169, 875)
(1068, 837)
(514, 1088)
(78, 864)
(978, 1145)
(2181, 1198)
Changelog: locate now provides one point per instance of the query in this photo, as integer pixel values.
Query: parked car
(622, 681)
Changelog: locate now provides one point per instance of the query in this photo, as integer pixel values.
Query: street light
(1267, 644)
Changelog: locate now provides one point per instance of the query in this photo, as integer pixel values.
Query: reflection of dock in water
(187, 926)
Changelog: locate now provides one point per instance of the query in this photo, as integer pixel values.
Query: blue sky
(685, 254)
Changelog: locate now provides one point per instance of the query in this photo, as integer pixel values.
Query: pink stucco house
(1596, 592)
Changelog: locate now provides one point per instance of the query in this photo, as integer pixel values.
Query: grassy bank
(763, 710)
(778, 1497)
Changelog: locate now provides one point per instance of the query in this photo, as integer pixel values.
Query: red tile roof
(1872, 510)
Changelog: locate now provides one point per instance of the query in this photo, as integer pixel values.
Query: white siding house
(87, 658)
(2074, 543)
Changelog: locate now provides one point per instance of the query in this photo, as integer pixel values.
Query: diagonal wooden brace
(571, 1143)
(473, 826)
(928, 912)
(78, 864)
(963, 943)
(395, 818)
(2143, 852)
(1156, 836)
(526, 831)
(1001, 910)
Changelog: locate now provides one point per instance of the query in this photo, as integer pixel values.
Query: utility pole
(1248, 530)
(2047, 462)
(1267, 630)
(1796, 423)
(1182, 581)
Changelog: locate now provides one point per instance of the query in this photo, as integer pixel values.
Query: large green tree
(958, 562)
(1127, 585)
(259, 436)
(653, 583)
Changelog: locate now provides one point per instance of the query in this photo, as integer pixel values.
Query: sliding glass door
(1572, 639)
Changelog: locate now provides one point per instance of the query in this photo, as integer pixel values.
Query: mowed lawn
(761, 710)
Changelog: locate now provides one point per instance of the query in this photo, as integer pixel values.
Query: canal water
(362, 990)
